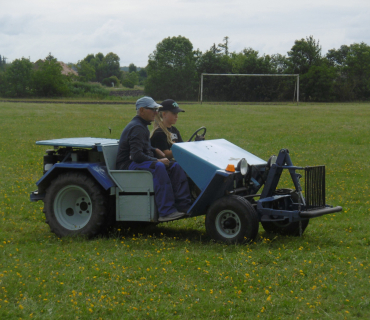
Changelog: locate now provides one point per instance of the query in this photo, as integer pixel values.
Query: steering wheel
(196, 135)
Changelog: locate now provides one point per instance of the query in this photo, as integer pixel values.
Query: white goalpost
(249, 75)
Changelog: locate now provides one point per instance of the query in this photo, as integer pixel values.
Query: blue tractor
(83, 193)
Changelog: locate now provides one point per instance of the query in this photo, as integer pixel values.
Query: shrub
(127, 83)
(108, 81)
(84, 89)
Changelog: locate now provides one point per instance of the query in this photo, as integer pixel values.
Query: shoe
(183, 209)
(173, 216)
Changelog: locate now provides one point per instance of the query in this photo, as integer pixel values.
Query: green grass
(174, 271)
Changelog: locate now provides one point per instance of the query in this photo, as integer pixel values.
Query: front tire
(232, 219)
(75, 205)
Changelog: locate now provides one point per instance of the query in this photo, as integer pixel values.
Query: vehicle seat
(126, 180)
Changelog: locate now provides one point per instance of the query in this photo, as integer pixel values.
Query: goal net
(266, 89)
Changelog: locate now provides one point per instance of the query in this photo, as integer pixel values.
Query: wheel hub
(228, 223)
(82, 206)
(73, 207)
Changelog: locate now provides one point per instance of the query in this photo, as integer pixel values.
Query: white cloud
(72, 29)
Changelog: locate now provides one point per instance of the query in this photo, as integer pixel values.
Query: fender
(97, 170)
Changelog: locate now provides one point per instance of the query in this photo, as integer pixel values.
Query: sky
(71, 29)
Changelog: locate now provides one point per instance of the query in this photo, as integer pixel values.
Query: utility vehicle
(83, 193)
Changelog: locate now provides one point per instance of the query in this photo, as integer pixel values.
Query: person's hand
(159, 154)
(165, 161)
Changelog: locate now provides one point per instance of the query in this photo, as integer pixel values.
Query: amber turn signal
(230, 168)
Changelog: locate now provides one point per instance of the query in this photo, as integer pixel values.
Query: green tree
(142, 76)
(111, 65)
(319, 82)
(352, 64)
(279, 63)
(215, 49)
(99, 56)
(49, 80)
(133, 77)
(17, 79)
(50, 57)
(86, 71)
(89, 57)
(132, 68)
(338, 57)
(107, 66)
(2, 62)
(171, 70)
(103, 66)
(358, 69)
(225, 46)
(304, 54)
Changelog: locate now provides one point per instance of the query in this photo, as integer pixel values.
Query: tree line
(44, 78)
(174, 69)
(107, 70)
(343, 74)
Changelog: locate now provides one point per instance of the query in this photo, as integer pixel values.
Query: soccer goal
(296, 88)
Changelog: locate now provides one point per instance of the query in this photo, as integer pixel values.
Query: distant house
(66, 70)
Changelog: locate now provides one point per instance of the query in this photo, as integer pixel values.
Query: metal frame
(250, 75)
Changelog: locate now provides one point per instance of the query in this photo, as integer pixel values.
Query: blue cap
(147, 102)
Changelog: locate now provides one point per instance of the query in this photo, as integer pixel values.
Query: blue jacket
(134, 144)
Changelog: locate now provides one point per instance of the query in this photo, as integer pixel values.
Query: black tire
(75, 204)
(232, 219)
(285, 227)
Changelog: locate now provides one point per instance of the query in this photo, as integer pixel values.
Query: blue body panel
(201, 159)
(219, 183)
(98, 171)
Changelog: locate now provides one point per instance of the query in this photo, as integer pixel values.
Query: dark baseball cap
(170, 105)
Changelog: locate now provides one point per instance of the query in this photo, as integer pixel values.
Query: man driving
(135, 152)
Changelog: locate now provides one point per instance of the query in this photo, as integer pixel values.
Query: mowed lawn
(174, 270)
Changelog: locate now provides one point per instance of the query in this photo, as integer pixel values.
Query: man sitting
(171, 188)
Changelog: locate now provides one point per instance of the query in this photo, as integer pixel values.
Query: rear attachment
(315, 187)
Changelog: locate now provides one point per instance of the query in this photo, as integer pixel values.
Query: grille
(315, 187)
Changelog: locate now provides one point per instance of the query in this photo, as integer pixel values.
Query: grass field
(174, 270)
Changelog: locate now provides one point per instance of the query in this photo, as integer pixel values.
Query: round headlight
(243, 166)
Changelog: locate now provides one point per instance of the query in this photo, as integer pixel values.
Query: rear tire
(76, 205)
(232, 219)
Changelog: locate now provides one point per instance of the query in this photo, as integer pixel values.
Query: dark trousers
(171, 189)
